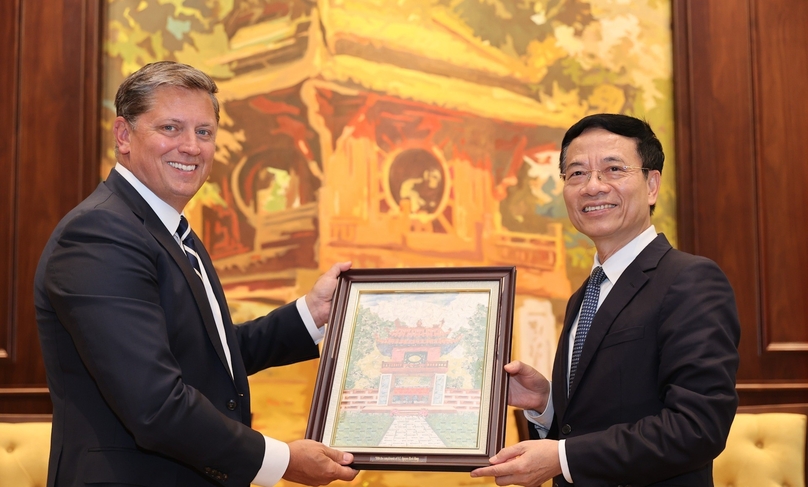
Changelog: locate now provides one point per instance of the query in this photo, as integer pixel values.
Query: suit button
(566, 429)
(231, 405)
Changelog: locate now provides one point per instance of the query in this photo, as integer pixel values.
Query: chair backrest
(763, 449)
(24, 449)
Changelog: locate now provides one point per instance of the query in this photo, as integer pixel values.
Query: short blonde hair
(136, 93)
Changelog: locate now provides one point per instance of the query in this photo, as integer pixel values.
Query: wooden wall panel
(53, 158)
(782, 167)
(9, 35)
(733, 205)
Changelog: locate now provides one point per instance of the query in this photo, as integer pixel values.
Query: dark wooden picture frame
(411, 373)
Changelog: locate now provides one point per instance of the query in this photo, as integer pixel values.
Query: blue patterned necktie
(588, 310)
(184, 231)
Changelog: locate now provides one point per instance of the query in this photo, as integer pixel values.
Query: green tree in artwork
(144, 31)
(512, 25)
(368, 326)
(474, 346)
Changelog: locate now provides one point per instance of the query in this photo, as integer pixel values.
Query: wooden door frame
(49, 155)
(717, 90)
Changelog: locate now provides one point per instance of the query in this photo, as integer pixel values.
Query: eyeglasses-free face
(171, 146)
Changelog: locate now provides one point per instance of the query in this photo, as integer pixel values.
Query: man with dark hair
(643, 389)
(147, 373)
(649, 148)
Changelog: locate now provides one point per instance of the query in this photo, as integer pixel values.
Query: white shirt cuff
(317, 334)
(562, 459)
(542, 420)
(276, 461)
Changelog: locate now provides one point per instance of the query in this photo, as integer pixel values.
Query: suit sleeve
(280, 338)
(103, 280)
(697, 338)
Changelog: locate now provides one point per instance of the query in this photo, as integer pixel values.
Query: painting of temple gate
(416, 371)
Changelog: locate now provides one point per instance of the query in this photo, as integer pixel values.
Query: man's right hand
(527, 388)
(312, 463)
(528, 463)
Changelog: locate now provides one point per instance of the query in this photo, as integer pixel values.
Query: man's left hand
(529, 463)
(322, 293)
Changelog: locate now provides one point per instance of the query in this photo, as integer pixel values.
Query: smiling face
(611, 213)
(170, 148)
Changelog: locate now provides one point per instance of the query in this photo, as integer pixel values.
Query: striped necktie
(184, 231)
(588, 309)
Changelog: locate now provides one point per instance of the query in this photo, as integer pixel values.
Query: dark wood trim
(728, 76)
(772, 386)
(26, 418)
(761, 393)
(685, 212)
(25, 400)
(9, 46)
(50, 88)
(775, 408)
(786, 346)
(94, 18)
(756, 394)
(22, 391)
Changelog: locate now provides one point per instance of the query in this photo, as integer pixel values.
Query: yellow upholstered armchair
(24, 448)
(763, 450)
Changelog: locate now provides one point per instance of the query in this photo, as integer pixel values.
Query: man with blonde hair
(147, 373)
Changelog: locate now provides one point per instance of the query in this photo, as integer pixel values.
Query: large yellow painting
(398, 133)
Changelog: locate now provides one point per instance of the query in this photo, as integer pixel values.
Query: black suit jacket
(654, 393)
(141, 391)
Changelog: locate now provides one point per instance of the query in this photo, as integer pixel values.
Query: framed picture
(411, 372)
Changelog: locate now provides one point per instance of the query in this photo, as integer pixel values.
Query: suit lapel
(121, 187)
(627, 286)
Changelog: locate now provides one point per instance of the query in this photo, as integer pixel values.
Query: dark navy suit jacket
(141, 391)
(654, 393)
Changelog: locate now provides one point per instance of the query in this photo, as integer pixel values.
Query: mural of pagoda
(343, 141)
(387, 138)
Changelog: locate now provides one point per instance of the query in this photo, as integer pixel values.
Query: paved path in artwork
(410, 431)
